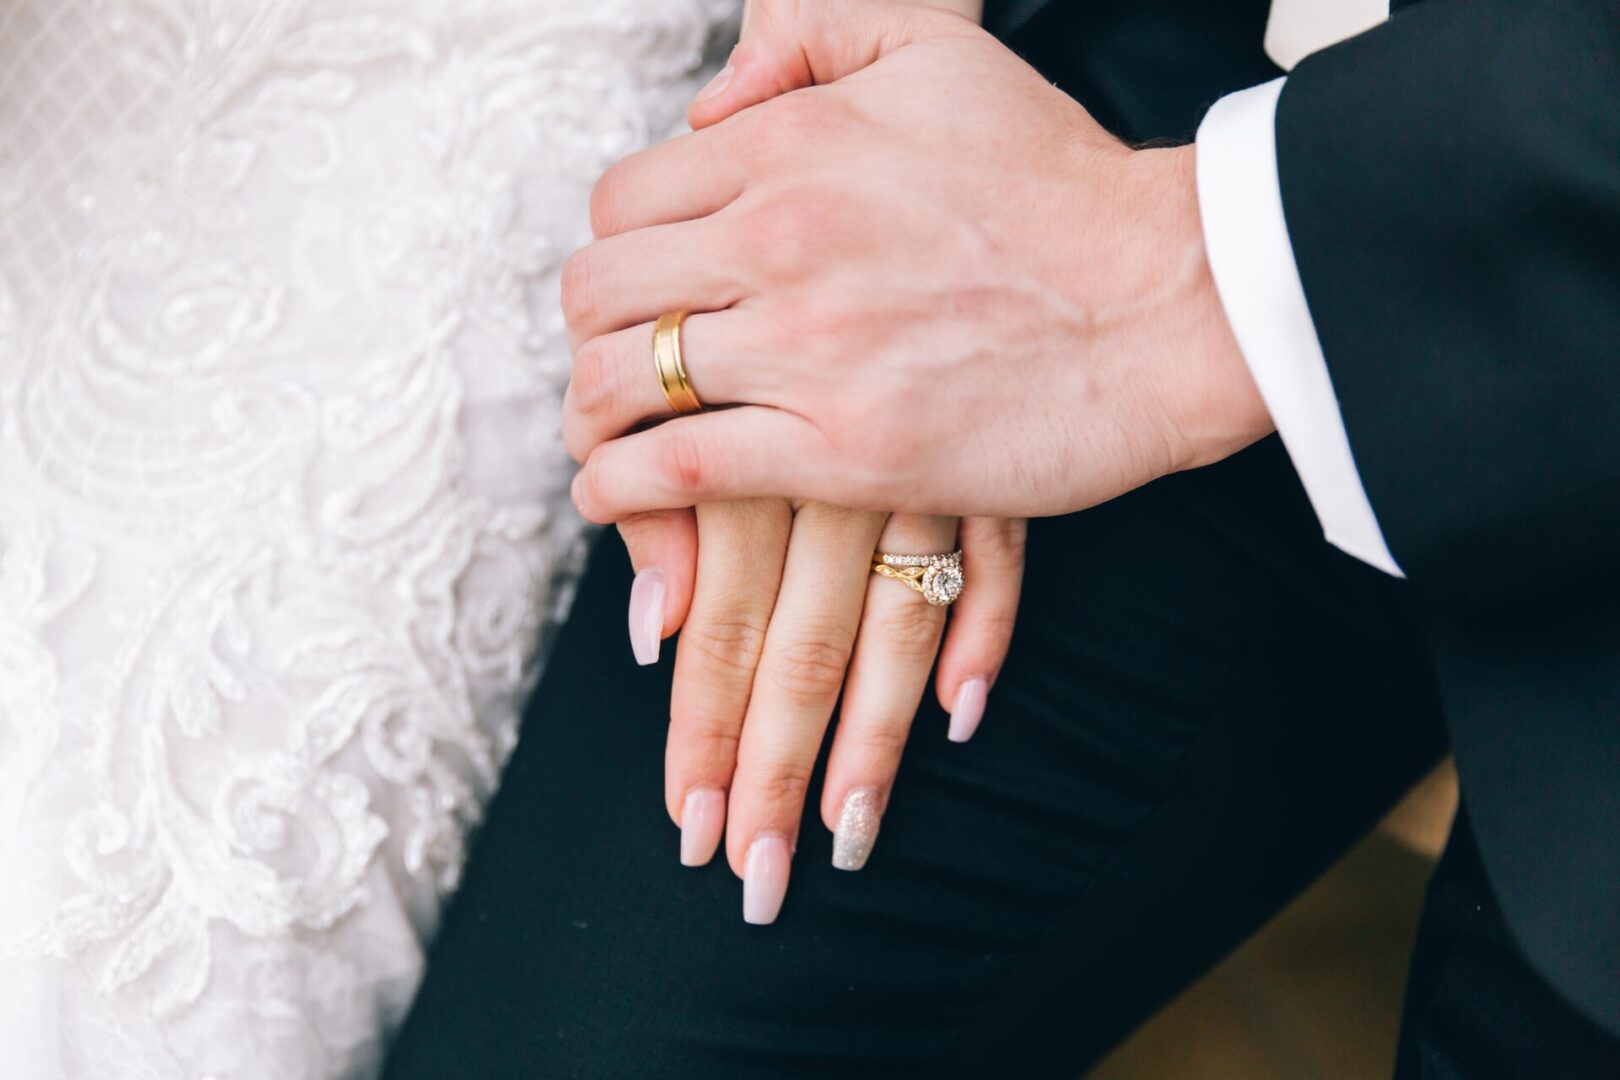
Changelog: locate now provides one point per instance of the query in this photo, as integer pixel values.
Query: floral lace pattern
(283, 503)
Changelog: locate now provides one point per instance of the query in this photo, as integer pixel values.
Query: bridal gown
(283, 501)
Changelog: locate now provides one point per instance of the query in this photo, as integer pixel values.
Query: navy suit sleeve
(1451, 182)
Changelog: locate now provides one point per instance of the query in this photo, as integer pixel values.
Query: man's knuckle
(607, 202)
(578, 299)
(576, 440)
(800, 121)
(592, 384)
(787, 131)
(787, 233)
(599, 479)
(811, 325)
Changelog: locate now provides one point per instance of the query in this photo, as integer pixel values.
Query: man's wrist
(1251, 256)
(1213, 407)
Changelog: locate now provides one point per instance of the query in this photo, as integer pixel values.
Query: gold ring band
(938, 578)
(671, 365)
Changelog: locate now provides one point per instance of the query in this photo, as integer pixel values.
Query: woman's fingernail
(647, 615)
(703, 819)
(765, 879)
(969, 710)
(716, 86)
(857, 830)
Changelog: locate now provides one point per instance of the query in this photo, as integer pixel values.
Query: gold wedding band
(671, 365)
(937, 577)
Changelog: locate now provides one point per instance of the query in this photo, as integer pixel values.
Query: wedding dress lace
(283, 504)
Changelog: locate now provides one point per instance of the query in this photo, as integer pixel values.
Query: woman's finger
(894, 652)
(982, 620)
(806, 655)
(663, 551)
(741, 548)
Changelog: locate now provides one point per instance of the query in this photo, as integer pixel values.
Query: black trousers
(1204, 706)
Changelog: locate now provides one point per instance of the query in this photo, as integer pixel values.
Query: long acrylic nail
(969, 710)
(765, 879)
(647, 615)
(703, 819)
(858, 822)
(716, 86)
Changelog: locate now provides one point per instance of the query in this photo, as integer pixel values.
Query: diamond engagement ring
(937, 577)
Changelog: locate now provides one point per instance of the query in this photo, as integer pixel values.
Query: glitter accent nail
(857, 830)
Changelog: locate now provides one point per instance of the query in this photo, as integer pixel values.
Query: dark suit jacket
(1451, 182)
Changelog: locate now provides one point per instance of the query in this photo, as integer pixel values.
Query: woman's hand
(770, 635)
(786, 612)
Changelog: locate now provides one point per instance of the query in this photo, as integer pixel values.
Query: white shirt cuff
(1252, 260)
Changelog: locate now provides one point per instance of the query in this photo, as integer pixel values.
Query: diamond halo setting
(938, 578)
(942, 583)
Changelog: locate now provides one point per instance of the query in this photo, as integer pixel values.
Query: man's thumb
(790, 44)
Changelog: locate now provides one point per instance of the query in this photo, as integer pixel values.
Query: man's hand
(929, 280)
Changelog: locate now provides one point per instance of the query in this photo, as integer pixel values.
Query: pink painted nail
(716, 86)
(969, 710)
(703, 819)
(647, 615)
(765, 879)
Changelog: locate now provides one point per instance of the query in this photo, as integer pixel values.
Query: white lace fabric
(283, 503)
